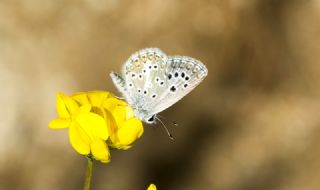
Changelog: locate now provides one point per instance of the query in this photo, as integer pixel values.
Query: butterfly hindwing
(142, 73)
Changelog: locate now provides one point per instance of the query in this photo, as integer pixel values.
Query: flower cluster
(96, 121)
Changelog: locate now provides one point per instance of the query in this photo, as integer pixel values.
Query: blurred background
(253, 124)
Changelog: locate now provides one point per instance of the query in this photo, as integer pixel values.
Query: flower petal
(117, 108)
(119, 114)
(100, 151)
(85, 108)
(120, 110)
(66, 106)
(81, 98)
(59, 123)
(97, 97)
(130, 131)
(79, 139)
(111, 103)
(94, 125)
(61, 106)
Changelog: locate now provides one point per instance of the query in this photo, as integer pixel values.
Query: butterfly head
(151, 120)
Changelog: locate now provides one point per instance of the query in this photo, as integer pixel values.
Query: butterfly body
(151, 81)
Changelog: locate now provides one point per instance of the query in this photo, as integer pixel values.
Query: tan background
(253, 124)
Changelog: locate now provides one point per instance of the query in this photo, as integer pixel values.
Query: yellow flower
(152, 187)
(88, 131)
(95, 118)
(124, 128)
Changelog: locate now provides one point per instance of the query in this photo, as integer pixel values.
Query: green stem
(89, 174)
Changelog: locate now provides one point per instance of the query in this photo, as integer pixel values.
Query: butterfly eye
(185, 85)
(176, 74)
(161, 83)
(183, 74)
(151, 119)
(154, 96)
(169, 76)
(155, 66)
(145, 92)
(187, 78)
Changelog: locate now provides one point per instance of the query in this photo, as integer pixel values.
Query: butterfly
(152, 81)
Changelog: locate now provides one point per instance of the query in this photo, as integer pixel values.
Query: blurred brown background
(253, 124)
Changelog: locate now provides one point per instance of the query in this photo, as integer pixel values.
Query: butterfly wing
(142, 77)
(183, 74)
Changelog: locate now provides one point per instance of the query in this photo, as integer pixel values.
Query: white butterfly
(151, 81)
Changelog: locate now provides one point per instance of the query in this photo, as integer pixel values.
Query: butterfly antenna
(172, 122)
(164, 126)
